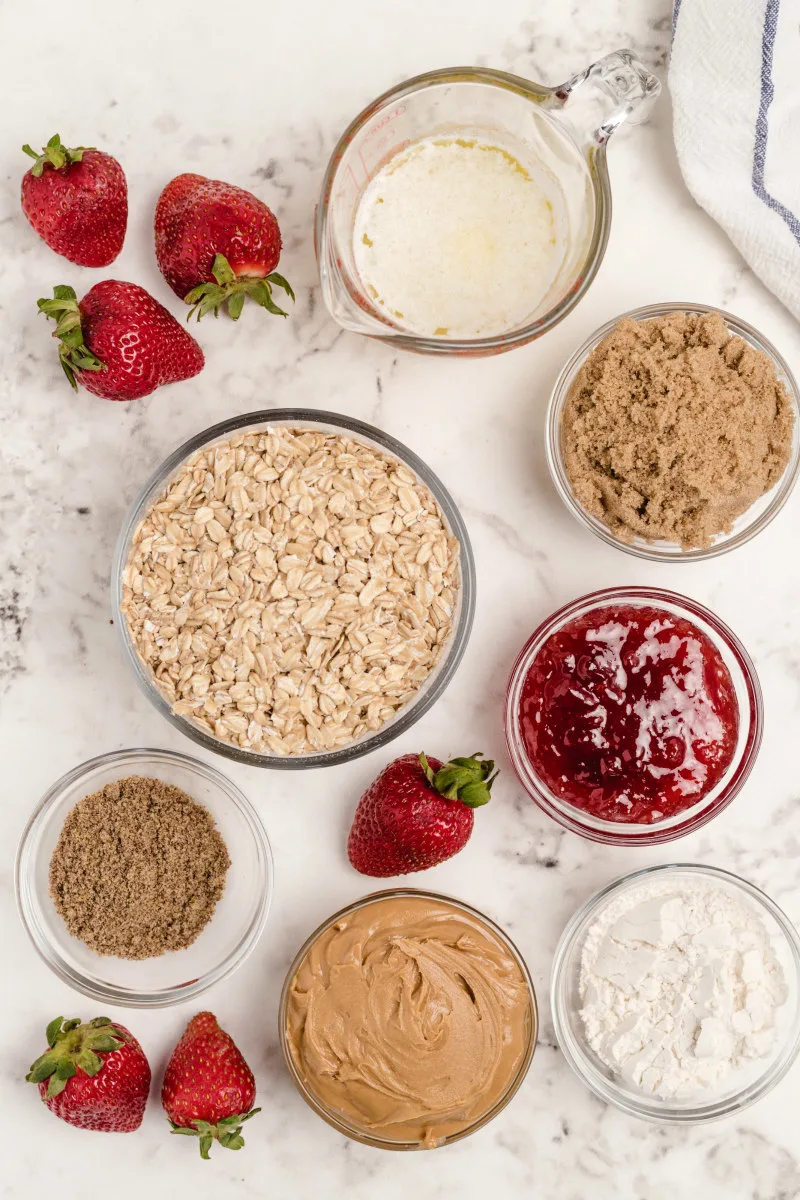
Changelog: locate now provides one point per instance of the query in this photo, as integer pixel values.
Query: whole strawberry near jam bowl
(418, 813)
(633, 716)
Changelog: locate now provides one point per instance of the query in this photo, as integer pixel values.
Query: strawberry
(208, 1088)
(77, 201)
(217, 244)
(417, 813)
(94, 1076)
(119, 342)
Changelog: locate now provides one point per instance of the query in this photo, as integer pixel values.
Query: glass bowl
(738, 1093)
(177, 976)
(748, 697)
(751, 522)
(337, 1119)
(449, 658)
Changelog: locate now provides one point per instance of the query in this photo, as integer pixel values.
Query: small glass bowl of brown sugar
(670, 441)
(93, 932)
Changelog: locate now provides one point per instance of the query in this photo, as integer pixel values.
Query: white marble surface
(168, 86)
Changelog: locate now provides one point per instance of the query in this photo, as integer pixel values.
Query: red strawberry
(77, 201)
(217, 244)
(94, 1076)
(208, 1088)
(119, 342)
(417, 813)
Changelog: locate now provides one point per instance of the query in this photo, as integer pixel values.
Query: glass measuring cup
(559, 133)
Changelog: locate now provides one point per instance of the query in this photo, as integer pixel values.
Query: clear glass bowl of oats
(293, 588)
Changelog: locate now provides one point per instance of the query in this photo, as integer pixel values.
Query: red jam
(629, 714)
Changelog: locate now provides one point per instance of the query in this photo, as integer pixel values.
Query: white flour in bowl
(457, 237)
(679, 987)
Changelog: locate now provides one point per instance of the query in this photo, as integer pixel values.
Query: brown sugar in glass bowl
(408, 1020)
(178, 975)
(138, 868)
(670, 439)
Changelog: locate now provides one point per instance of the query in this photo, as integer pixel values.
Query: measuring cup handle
(617, 88)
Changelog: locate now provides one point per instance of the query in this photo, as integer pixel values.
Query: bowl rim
(654, 551)
(28, 910)
(443, 671)
(607, 1090)
(619, 833)
(329, 1115)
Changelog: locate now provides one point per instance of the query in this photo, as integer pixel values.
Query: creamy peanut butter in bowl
(408, 1020)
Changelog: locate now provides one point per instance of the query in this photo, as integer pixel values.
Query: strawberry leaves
(227, 1131)
(54, 155)
(73, 354)
(53, 1030)
(231, 290)
(62, 1075)
(466, 779)
(73, 1047)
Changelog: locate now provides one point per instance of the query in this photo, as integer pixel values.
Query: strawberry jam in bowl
(633, 715)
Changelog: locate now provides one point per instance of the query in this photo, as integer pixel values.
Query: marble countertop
(168, 88)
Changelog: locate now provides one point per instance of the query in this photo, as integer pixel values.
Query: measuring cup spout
(614, 89)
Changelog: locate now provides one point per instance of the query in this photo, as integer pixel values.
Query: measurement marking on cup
(364, 166)
(384, 121)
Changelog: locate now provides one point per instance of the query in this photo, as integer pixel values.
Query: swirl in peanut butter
(409, 1019)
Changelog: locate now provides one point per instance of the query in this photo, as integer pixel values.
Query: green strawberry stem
(55, 154)
(231, 290)
(228, 1131)
(73, 354)
(73, 1046)
(466, 779)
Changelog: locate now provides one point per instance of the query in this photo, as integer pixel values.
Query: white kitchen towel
(735, 82)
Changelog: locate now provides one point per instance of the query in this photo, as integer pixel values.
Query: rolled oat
(291, 590)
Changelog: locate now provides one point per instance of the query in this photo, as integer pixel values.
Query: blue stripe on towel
(676, 8)
(762, 122)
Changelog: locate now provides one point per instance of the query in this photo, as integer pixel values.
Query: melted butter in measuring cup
(458, 236)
